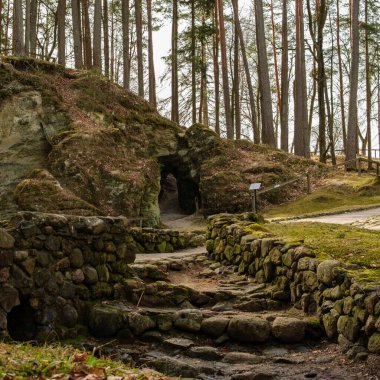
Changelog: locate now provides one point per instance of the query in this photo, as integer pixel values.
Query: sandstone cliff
(74, 143)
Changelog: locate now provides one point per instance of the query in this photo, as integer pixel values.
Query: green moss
(338, 195)
(349, 245)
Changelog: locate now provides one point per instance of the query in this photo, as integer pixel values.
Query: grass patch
(349, 245)
(336, 195)
(27, 361)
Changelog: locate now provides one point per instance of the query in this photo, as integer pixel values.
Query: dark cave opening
(179, 194)
(21, 323)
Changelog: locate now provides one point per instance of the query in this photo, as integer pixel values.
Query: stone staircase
(195, 318)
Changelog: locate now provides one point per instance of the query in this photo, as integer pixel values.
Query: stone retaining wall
(52, 266)
(350, 312)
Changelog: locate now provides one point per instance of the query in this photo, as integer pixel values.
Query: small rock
(174, 367)
(311, 374)
(181, 343)
(242, 357)
(189, 320)
(6, 240)
(254, 376)
(275, 351)
(205, 353)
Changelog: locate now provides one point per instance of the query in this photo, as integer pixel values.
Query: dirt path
(181, 221)
(173, 255)
(369, 219)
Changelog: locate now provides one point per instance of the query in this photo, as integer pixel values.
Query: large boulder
(249, 329)
(288, 330)
(105, 321)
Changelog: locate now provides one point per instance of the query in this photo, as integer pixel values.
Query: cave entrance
(21, 323)
(179, 195)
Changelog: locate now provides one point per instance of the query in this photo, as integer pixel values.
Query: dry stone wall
(350, 312)
(53, 266)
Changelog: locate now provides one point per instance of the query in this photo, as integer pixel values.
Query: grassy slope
(349, 245)
(25, 361)
(337, 194)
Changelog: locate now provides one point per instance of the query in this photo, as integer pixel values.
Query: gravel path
(369, 219)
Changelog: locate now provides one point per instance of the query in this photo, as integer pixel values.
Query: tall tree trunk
(86, 35)
(125, 14)
(301, 130)
(378, 106)
(152, 76)
(193, 73)
(1, 23)
(106, 39)
(255, 127)
(97, 35)
(284, 99)
(61, 16)
(27, 27)
(112, 61)
(278, 103)
(354, 73)
(8, 21)
(175, 105)
(237, 112)
(77, 34)
(18, 28)
(341, 85)
(216, 67)
(33, 28)
(368, 89)
(321, 17)
(139, 44)
(226, 87)
(264, 84)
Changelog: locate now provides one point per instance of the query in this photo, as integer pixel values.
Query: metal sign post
(253, 188)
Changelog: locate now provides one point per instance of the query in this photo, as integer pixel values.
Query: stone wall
(349, 311)
(53, 266)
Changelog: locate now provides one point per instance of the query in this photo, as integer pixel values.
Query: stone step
(124, 320)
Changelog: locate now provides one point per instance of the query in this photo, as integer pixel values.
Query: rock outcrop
(75, 143)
